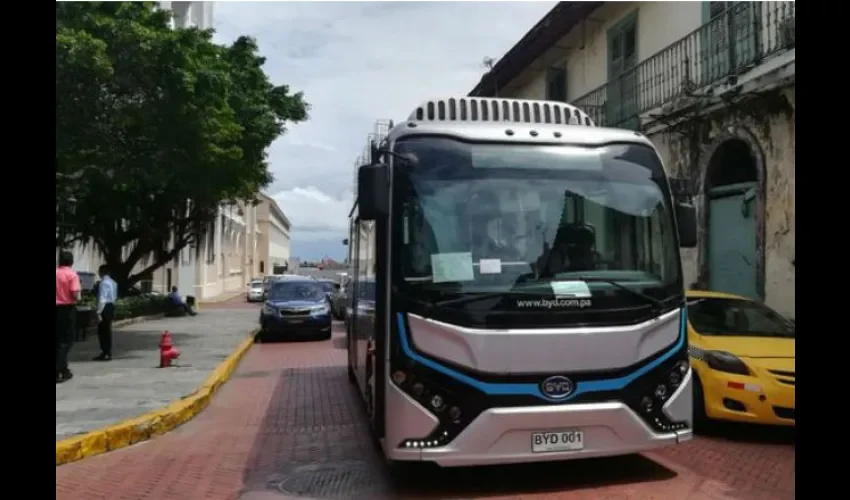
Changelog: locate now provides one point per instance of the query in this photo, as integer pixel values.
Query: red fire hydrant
(167, 351)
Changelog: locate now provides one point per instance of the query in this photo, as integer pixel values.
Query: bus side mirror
(373, 192)
(686, 219)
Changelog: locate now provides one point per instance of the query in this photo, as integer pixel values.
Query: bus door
(363, 314)
(366, 328)
(351, 302)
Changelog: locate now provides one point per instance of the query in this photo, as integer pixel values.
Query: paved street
(288, 425)
(102, 394)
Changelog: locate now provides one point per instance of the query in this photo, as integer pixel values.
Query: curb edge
(154, 423)
(218, 300)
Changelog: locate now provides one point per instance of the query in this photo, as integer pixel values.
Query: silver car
(255, 291)
(339, 300)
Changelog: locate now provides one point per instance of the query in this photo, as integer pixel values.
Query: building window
(556, 84)
(622, 88)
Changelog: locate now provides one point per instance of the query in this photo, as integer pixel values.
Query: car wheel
(700, 415)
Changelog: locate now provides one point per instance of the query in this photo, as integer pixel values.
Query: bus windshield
(472, 218)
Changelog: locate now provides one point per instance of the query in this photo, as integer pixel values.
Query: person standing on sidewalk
(68, 292)
(107, 294)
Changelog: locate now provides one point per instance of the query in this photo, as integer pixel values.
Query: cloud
(299, 204)
(356, 63)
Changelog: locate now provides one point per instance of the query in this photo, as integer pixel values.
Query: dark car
(296, 308)
(268, 281)
(329, 287)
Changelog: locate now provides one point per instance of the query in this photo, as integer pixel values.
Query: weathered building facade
(713, 85)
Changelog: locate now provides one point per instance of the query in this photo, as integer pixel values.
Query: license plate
(549, 442)
(294, 321)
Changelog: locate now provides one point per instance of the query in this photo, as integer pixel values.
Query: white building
(188, 14)
(273, 240)
(713, 85)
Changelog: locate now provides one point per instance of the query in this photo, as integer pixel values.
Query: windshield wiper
(656, 304)
(476, 296)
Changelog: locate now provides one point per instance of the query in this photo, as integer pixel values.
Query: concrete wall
(769, 127)
(278, 245)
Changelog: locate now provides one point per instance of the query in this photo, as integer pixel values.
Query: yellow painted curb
(154, 423)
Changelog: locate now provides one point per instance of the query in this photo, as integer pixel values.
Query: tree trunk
(122, 270)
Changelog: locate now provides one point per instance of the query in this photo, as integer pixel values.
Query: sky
(358, 62)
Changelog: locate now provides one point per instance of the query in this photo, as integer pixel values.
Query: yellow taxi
(742, 354)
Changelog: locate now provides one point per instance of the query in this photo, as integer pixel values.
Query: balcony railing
(732, 42)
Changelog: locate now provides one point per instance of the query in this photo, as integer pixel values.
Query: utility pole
(488, 63)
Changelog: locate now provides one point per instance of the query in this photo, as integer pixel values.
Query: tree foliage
(156, 129)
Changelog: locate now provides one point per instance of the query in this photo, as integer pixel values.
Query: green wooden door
(729, 38)
(732, 240)
(622, 78)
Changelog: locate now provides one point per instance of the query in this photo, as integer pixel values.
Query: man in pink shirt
(68, 291)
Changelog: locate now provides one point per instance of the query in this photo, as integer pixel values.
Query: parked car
(296, 307)
(255, 291)
(742, 354)
(328, 286)
(339, 300)
(268, 281)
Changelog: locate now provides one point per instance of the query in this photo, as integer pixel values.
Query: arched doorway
(733, 199)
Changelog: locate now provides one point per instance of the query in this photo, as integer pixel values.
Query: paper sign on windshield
(572, 289)
(456, 266)
(490, 266)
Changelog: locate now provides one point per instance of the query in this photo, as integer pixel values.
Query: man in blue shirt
(177, 302)
(107, 294)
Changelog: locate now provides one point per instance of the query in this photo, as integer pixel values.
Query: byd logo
(557, 387)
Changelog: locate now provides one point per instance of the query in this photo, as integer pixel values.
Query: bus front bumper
(505, 435)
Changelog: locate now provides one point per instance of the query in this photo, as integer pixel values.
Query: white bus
(516, 288)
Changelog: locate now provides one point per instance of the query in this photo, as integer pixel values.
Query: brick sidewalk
(289, 421)
(102, 394)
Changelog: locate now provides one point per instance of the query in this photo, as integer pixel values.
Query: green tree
(156, 129)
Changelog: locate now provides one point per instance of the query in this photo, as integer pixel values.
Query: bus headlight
(657, 390)
(437, 402)
(441, 403)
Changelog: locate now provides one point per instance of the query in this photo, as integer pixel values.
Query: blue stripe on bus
(527, 389)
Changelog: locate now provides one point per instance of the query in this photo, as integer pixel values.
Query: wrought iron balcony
(734, 41)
